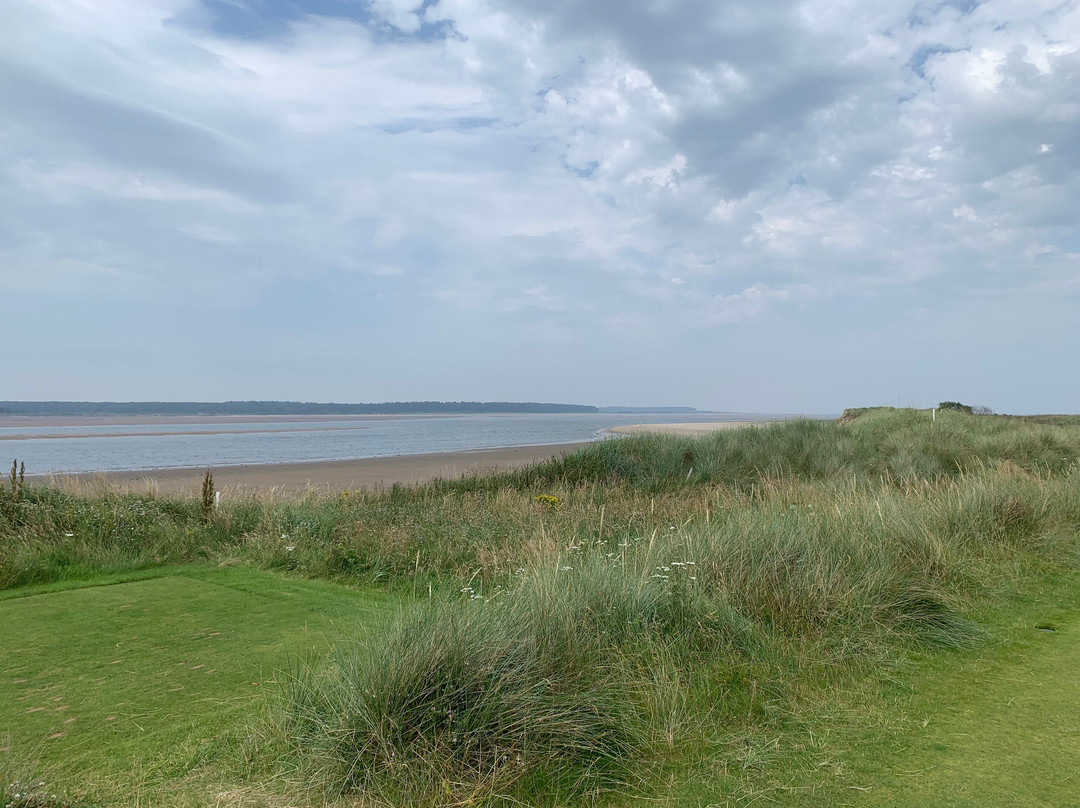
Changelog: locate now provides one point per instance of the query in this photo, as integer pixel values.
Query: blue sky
(786, 206)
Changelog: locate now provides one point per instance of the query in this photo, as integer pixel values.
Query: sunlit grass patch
(153, 679)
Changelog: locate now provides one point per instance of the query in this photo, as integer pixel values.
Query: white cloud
(610, 170)
(402, 14)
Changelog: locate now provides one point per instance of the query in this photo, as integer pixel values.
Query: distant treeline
(279, 408)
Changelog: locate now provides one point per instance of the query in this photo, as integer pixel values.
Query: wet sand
(682, 429)
(327, 476)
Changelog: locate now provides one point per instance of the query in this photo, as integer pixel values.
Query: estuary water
(137, 445)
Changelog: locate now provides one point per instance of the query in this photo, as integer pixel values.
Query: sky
(740, 205)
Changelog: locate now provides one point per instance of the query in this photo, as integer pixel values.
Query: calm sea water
(150, 446)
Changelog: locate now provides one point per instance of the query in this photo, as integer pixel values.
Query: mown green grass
(1010, 732)
(122, 689)
(1000, 727)
(723, 620)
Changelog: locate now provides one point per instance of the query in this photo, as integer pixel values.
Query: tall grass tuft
(466, 701)
(207, 499)
(16, 482)
(10, 498)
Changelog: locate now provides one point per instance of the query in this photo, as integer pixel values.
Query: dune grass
(798, 588)
(652, 614)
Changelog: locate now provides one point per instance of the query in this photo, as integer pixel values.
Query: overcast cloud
(784, 206)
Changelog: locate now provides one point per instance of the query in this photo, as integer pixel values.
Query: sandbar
(682, 429)
(328, 477)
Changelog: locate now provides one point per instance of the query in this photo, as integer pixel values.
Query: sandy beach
(682, 429)
(328, 476)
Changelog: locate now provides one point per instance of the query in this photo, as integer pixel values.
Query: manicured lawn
(113, 690)
(1002, 728)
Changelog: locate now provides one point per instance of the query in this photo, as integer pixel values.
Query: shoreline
(332, 476)
(329, 476)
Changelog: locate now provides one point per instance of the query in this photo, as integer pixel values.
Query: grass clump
(23, 794)
(556, 689)
(464, 702)
(850, 579)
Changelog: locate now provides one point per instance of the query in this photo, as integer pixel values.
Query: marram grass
(441, 710)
